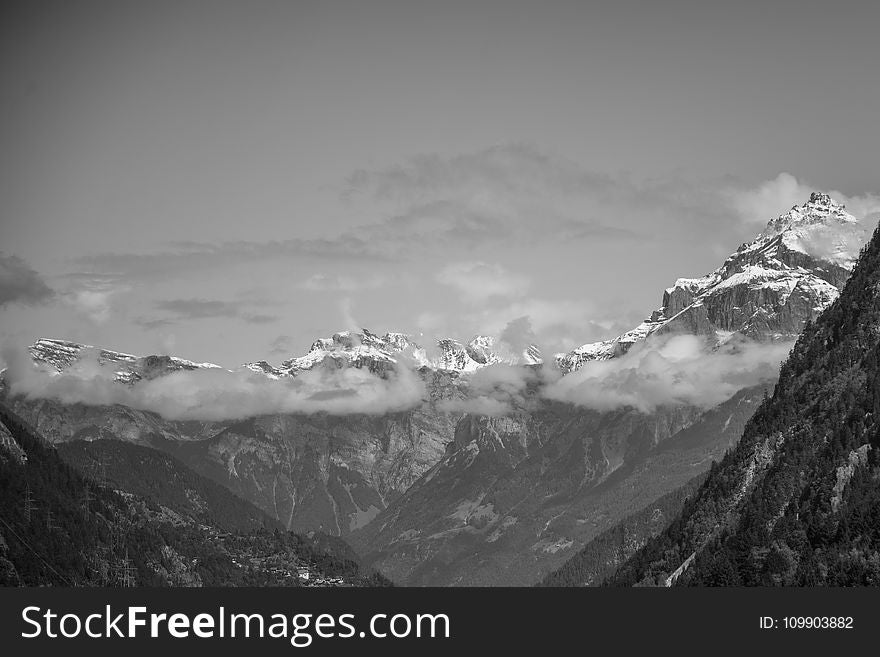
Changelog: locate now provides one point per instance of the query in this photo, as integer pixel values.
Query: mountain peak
(379, 352)
(766, 290)
(128, 368)
(820, 198)
(819, 210)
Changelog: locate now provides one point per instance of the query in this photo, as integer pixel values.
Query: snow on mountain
(766, 290)
(61, 354)
(378, 353)
(362, 349)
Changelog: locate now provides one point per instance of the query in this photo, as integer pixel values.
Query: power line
(87, 499)
(50, 524)
(37, 554)
(29, 506)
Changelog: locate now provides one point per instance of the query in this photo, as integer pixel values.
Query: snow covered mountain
(766, 290)
(378, 353)
(61, 354)
(344, 349)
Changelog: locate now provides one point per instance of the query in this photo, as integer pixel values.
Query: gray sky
(228, 181)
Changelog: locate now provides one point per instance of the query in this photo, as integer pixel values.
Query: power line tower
(86, 501)
(128, 571)
(98, 470)
(29, 506)
(115, 540)
(102, 564)
(50, 521)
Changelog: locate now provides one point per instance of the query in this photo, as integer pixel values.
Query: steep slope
(797, 502)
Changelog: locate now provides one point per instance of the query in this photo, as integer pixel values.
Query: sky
(228, 181)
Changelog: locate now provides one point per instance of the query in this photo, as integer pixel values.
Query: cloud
(663, 371)
(769, 199)
(199, 256)
(518, 335)
(498, 390)
(515, 168)
(348, 320)
(217, 394)
(477, 282)
(341, 283)
(198, 308)
(670, 371)
(513, 193)
(178, 310)
(21, 284)
(280, 345)
(508, 194)
(556, 325)
(258, 318)
(94, 297)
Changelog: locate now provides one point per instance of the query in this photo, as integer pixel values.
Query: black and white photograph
(459, 296)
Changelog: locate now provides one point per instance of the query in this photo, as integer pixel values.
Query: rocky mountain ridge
(766, 290)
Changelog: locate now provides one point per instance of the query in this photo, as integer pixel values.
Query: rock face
(768, 289)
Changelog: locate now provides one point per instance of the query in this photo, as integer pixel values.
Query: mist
(670, 371)
(662, 371)
(218, 394)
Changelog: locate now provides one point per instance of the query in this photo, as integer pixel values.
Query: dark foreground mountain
(159, 478)
(797, 502)
(58, 527)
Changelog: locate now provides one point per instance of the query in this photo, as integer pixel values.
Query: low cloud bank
(216, 394)
(675, 370)
(500, 389)
(662, 371)
(21, 284)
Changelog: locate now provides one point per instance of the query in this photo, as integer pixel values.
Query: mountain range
(109, 513)
(438, 495)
